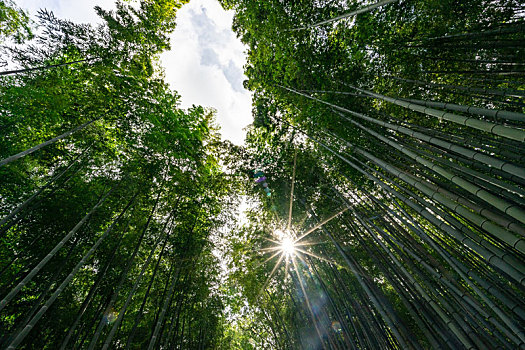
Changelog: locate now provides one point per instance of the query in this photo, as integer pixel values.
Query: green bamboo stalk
(492, 113)
(454, 325)
(467, 89)
(516, 28)
(487, 255)
(495, 185)
(505, 150)
(369, 292)
(496, 129)
(48, 257)
(25, 70)
(501, 204)
(421, 211)
(24, 332)
(476, 219)
(399, 289)
(500, 220)
(447, 257)
(494, 162)
(43, 144)
(123, 309)
(467, 153)
(510, 302)
(386, 234)
(92, 290)
(349, 14)
(168, 298)
(128, 265)
(52, 180)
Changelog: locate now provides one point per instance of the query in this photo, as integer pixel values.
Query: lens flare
(110, 316)
(288, 246)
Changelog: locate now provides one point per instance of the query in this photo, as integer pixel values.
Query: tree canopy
(383, 176)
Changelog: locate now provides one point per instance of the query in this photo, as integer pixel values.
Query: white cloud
(205, 64)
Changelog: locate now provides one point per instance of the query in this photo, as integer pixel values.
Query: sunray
(271, 240)
(294, 263)
(269, 249)
(317, 256)
(270, 258)
(275, 216)
(291, 192)
(303, 220)
(307, 299)
(271, 273)
(320, 224)
(286, 265)
(304, 244)
(302, 259)
(253, 252)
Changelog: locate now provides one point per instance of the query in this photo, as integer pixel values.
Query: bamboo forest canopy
(384, 175)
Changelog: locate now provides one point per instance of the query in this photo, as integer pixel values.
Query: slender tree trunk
(138, 316)
(28, 201)
(127, 267)
(26, 70)
(349, 14)
(377, 303)
(138, 279)
(48, 142)
(491, 113)
(92, 290)
(52, 253)
(20, 336)
(467, 89)
(160, 320)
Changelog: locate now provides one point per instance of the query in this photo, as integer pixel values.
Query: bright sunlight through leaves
(288, 246)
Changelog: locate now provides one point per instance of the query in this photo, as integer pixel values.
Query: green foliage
(125, 233)
(14, 23)
(168, 194)
(449, 51)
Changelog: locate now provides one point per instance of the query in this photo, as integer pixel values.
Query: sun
(285, 243)
(287, 246)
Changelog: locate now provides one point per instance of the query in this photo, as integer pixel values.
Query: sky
(205, 64)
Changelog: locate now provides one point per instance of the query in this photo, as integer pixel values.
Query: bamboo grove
(110, 192)
(405, 120)
(388, 141)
